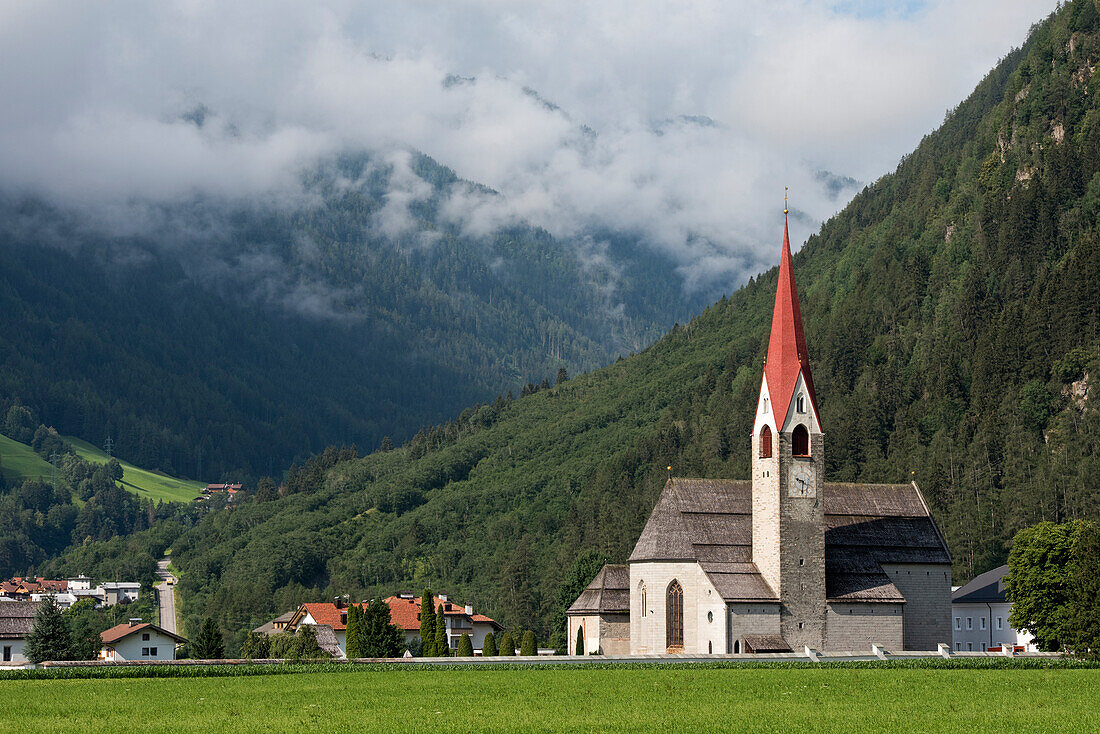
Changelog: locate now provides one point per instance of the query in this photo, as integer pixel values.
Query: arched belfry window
(801, 404)
(766, 443)
(674, 618)
(800, 441)
(765, 406)
(641, 593)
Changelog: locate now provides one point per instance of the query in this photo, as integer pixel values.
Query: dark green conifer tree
(507, 645)
(580, 641)
(208, 644)
(489, 646)
(465, 647)
(527, 644)
(442, 649)
(427, 624)
(49, 638)
(381, 638)
(353, 637)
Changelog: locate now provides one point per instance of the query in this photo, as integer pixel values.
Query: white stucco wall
(590, 623)
(704, 608)
(16, 648)
(988, 627)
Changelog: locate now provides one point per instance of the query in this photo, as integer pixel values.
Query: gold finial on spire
(784, 199)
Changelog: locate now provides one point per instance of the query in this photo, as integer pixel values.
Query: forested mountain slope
(952, 313)
(213, 336)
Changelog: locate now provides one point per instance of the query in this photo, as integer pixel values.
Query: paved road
(166, 599)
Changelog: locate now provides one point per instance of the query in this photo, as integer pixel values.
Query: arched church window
(801, 404)
(766, 443)
(800, 441)
(674, 618)
(765, 406)
(642, 594)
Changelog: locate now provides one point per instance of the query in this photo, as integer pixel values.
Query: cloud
(679, 122)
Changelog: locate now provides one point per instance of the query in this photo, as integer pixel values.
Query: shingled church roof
(866, 525)
(608, 593)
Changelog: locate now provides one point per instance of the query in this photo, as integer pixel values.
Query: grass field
(142, 482)
(19, 462)
(574, 700)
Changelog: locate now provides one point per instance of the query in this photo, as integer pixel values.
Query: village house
(231, 491)
(137, 640)
(979, 611)
(332, 618)
(460, 620)
(16, 622)
(784, 560)
(67, 592)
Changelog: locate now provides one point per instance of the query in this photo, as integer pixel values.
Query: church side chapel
(785, 560)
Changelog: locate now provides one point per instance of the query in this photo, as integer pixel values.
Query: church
(783, 561)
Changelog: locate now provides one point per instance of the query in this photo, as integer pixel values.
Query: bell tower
(788, 466)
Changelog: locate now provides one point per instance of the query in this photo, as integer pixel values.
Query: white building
(979, 612)
(16, 622)
(135, 640)
(120, 591)
(64, 599)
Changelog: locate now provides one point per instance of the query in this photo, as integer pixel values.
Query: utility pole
(108, 446)
(54, 458)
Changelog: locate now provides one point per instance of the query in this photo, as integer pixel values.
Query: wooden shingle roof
(866, 525)
(608, 593)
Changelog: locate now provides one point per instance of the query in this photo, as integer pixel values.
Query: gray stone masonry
(802, 550)
(927, 592)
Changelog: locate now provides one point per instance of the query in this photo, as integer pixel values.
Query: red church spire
(787, 347)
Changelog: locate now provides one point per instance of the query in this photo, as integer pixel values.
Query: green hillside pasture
(586, 700)
(142, 482)
(19, 462)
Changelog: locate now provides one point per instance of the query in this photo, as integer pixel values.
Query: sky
(681, 122)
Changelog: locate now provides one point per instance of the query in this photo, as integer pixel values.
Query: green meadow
(732, 699)
(18, 461)
(142, 482)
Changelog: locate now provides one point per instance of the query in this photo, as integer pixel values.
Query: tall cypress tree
(527, 645)
(580, 641)
(489, 646)
(442, 649)
(507, 645)
(427, 624)
(353, 638)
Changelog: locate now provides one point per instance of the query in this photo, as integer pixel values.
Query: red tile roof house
(135, 640)
(405, 614)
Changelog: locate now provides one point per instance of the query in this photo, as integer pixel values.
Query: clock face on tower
(802, 482)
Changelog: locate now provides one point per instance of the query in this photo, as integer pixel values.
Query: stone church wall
(615, 634)
(704, 608)
(608, 634)
(751, 619)
(855, 627)
(927, 592)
